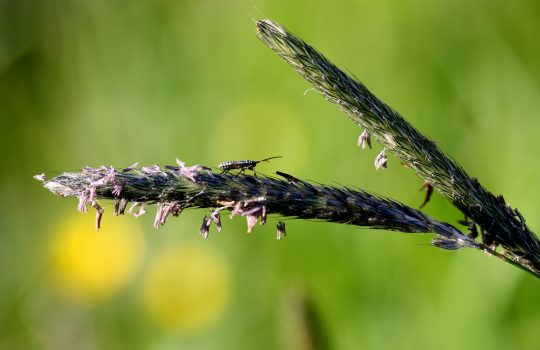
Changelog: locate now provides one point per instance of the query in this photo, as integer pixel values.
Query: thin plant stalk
(173, 189)
(500, 224)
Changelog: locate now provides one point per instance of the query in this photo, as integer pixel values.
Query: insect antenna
(267, 159)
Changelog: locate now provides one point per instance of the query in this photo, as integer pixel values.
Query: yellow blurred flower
(89, 265)
(186, 289)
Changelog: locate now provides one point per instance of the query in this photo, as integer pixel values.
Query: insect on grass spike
(242, 165)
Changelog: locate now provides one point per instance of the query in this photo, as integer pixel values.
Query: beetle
(242, 165)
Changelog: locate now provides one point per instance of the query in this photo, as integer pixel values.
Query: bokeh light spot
(186, 289)
(91, 266)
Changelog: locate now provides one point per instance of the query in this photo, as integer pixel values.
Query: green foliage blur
(115, 82)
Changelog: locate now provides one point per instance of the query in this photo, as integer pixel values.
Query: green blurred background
(114, 82)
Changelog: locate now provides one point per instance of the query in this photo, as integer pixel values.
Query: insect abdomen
(236, 164)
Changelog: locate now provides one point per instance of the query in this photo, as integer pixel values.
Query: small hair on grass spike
(281, 231)
(216, 216)
(288, 177)
(205, 227)
(381, 160)
(364, 139)
(99, 214)
(40, 177)
(429, 192)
